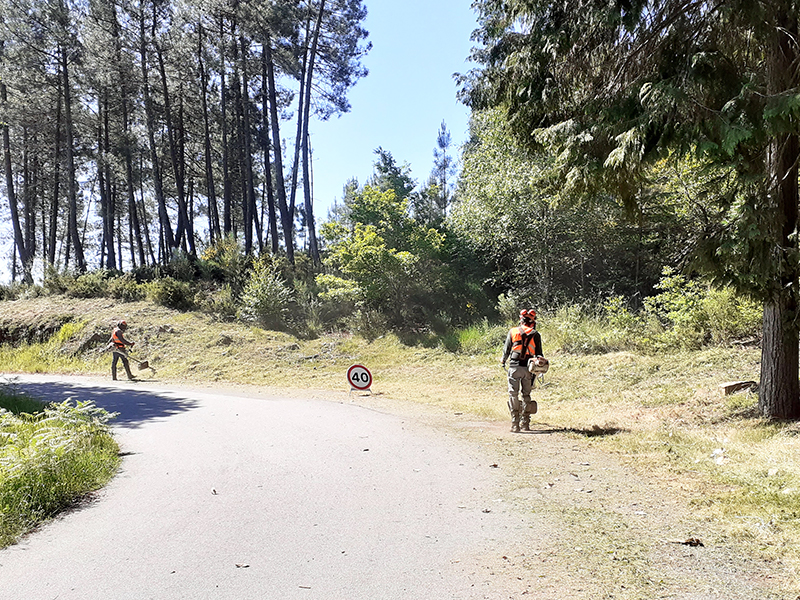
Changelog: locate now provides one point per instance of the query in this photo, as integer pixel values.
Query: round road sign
(359, 377)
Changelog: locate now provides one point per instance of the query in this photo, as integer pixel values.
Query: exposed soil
(591, 526)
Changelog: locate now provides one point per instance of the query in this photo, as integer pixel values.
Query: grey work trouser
(519, 378)
(120, 354)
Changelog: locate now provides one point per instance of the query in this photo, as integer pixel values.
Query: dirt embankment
(31, 329)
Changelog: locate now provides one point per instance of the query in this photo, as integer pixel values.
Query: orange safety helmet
(122, 325)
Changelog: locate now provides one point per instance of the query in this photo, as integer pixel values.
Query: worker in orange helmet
(523, 344)
(119, 347)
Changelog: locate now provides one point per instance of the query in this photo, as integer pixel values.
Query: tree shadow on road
(135, 407)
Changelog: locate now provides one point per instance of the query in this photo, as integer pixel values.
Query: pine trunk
(72, 218)
(273, 217)
(183, 228)
(286, 219)
(106, 200)
(779, 392)
(214, 233)
(53, 228)
(238, 85)
(167, 240)
(249, 193)
(307, 179)
(227, 206)
(19, 242)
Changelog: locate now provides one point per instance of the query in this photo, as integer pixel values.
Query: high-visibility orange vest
(116, 338)
(522, 341)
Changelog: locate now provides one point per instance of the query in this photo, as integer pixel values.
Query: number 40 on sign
(359, 378)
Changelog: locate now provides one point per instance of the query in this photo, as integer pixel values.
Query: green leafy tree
(431, 203)
(383, 259)
(617, 86)
(388, 175)
(387, 261)
(544, 245)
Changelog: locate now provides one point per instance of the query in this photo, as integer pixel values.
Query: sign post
(359, 378)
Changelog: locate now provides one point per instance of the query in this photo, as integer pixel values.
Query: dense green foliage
(547, 246)
(683, 315)
(612, 91)
(383, 260)
(50, 458)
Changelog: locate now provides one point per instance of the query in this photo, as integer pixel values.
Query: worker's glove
(132, 343)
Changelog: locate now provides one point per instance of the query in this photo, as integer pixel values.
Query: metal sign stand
(352, 389)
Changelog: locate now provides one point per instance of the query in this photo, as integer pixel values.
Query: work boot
(525, 426)
(514, 427)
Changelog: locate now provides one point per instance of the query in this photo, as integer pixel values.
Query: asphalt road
(231, 496)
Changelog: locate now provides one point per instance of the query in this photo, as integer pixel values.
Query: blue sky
(410, 90)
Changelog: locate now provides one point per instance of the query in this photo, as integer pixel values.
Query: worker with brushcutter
(523, 346)
(119, 346)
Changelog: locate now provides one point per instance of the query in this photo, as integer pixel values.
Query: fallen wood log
(735, 386)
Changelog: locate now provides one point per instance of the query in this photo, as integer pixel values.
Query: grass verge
(50, 457)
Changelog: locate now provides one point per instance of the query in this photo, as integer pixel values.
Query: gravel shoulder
(593, 527)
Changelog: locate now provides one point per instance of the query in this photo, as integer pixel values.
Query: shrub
(226, 262)
(126, 288)
(217, 301)
(12, 291)
(338, 290)
(265, 299)
(15, 402)
(145, 273)
(88, 285)
(55, 283)
(481, 338)
(368, 323)
(678, 309)
(181, 267)
(49, 460)
(684, 314)
(731, 316)
(171, 293)
(579, 329)
(507, 306)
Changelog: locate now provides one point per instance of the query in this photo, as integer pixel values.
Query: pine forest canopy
(612, 88)
(161, 117)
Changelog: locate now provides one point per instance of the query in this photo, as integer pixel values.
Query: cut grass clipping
(50, 458)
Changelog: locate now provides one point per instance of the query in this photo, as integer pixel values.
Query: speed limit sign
(359, 378)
